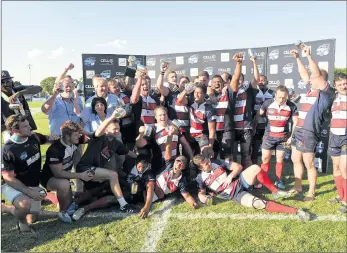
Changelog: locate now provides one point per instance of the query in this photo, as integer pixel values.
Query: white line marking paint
(242, 216)
(158, 227)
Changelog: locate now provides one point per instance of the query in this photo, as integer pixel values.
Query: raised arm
(76, 107)
(301, 67)
(62, 75)
(136, 91)
(50, 101)
(255, 73)
(160, 81)
(181, 98)
(140, 141)
(317, 80)
(237, 73)
(101, 129)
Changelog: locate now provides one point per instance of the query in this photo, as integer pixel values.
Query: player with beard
(204, 79)
(312, 110)
(15, 94)
(234, 185)
(263, 93)
(56, 172)
(338, 140)
(227, 78)
(202, 119)
(219, 98)
(21, 169)
(242, 105)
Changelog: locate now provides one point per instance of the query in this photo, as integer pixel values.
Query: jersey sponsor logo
(90, 61)
(273, 55)
(52, 159)
(323, 49)
(23, 156)
(33, 159)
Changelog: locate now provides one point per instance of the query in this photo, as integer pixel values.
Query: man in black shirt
(56, 172)
(99, 153)
(21, 168)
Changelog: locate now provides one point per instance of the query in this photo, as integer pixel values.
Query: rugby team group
(146, 143)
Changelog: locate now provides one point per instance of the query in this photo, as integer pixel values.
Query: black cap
(5, 75)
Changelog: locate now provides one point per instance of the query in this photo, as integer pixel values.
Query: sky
(50, 35)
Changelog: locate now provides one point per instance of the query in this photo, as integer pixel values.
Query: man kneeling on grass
(168, 181)
(214, 176)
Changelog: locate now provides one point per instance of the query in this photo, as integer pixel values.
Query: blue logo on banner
(90, 61)
(106, 74)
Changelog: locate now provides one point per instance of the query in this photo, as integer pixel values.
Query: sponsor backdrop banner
(106, 65)
(282, 68)
(214, 62)
(275, 62)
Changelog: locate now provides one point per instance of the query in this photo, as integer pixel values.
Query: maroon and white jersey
(306, 103)
(200, 116)
(338, 124)
(159, 134)
(260, 98)
(147, 112)
(278, 117)
(215, 178)
(220, 109)
(166, 184)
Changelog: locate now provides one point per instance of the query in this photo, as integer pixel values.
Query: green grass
(208, 235)
(223, 235)
(35, 104)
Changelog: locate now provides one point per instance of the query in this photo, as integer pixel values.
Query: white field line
(187, 216)
(242, 216)
(158, 227)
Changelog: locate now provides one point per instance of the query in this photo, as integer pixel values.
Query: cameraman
(15, 95)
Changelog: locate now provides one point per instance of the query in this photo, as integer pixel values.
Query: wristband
(162, 73)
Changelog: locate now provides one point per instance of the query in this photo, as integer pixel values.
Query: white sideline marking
(242, 216)
(157, 228)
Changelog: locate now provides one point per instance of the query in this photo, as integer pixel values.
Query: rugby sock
(122, 201)
(339, 185)
(264, 179)
(279, 169)
(273, 207)
(265, 167)
(344, 185)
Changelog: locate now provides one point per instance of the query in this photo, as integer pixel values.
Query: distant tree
(47, 84)
(337, 70)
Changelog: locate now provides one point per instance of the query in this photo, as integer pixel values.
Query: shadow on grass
(49, 229)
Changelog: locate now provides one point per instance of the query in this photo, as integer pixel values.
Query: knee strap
(256, 199)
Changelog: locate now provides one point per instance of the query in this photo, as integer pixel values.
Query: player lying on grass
(168, 181)
(235, 186)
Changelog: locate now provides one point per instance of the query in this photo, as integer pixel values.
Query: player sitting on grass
(229, 186)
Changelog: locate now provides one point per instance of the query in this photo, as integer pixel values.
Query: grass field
(174, 226)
